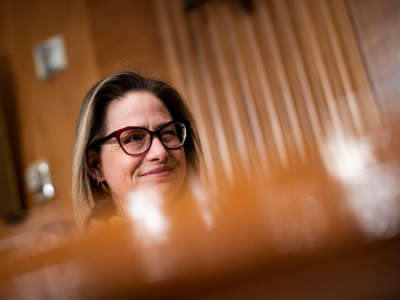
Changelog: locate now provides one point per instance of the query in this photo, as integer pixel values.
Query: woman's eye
(169, 134)
(133, 138)
(136, 137)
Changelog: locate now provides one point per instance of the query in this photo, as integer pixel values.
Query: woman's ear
(94, 163)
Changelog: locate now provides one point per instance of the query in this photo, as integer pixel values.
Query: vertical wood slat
(272, 40)
(340, 62)
(267, 96)
(247, 91)
(319, 15)
(367, 103)
(252, 92)
(299, 68)
(234, 114)
(212, 102)
(170, 46)
(241, 57)
(304, 13)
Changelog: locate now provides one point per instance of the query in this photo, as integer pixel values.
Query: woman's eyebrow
(162, 124)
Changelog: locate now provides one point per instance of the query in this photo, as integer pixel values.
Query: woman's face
(164, 168)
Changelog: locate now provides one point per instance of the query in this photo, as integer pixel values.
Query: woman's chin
(163, 187)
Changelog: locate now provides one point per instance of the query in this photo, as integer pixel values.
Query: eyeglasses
(137, 140)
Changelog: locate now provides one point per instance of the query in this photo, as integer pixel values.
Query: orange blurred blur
(309, 232)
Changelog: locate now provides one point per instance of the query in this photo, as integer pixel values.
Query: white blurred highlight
(203, 203)
(145, 209)
(374, 197)
(372, 190)
(345, 157)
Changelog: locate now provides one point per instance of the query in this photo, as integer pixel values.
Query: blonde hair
(91, 127)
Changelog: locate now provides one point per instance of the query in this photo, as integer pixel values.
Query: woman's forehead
(139, 108)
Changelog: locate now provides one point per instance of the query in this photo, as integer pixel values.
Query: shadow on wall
(14, 209)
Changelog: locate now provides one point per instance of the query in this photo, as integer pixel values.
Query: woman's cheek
(181, 158)
(120, 172)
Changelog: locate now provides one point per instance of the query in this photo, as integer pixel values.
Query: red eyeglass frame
(152, 133)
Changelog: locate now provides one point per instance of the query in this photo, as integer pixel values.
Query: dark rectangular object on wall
(10, 199)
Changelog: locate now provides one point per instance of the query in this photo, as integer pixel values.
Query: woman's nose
(157, 151)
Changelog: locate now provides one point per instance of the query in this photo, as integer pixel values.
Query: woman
(131, 131)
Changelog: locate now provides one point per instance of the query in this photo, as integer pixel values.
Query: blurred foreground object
(329, 230)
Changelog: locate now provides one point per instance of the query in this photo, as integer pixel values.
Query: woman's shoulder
(104, 214)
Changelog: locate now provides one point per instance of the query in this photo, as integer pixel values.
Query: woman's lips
(157, 172)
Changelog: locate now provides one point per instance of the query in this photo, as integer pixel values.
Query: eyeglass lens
(136, 140)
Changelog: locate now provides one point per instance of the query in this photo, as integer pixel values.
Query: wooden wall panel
(125, 37)
(3, 25)
(46, 111)
(268, 85)
(378, 27)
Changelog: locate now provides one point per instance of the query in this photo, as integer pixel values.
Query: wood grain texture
(274, 82)
(378, 28)
(125, 37)
(46, 111)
